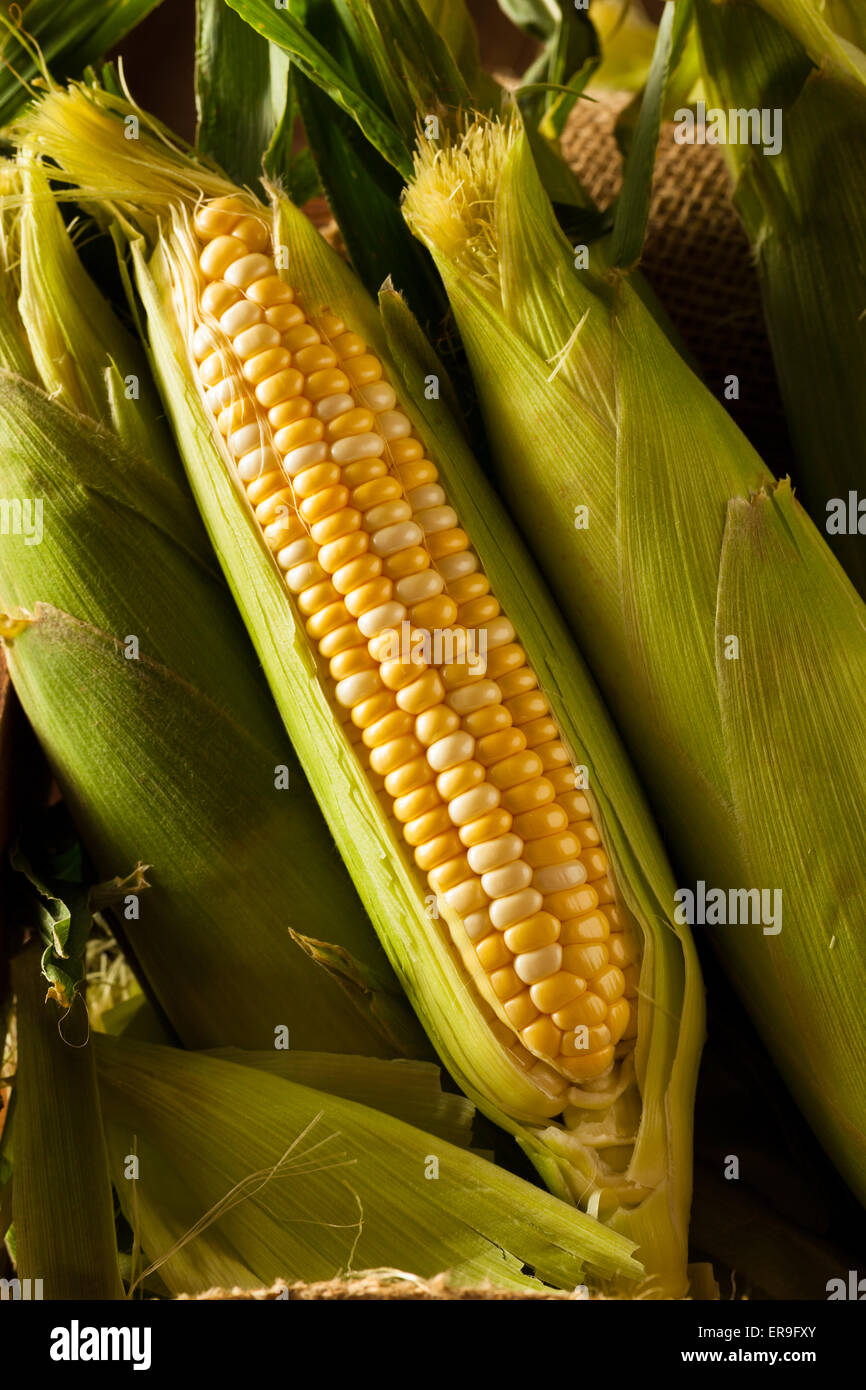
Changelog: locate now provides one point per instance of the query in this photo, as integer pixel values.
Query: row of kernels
(324, 593)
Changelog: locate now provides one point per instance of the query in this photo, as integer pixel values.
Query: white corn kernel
(387, 514)
(258, 462)
(450, 751)
(537, 965)
(492, 854)
(475, 695)
(296, 460)
(474, 803)
(329, 407)
(240, 316)
(379, 395)
(387, 615)
(436, 519)
(204, 342)
(353, 689)
(392, 539)
(417, 587)
(554, 878)
(246, 269)
(511, 878)
(393, 424)
(457, 566)
(506, 911)
(243, 440)
(300, 577)
(430, 495)
(298, 553)
(357, 446)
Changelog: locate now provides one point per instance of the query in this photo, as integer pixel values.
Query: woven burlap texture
(698, 260)
(375, 1286)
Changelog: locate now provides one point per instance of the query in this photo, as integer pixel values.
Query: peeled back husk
(275, 1180)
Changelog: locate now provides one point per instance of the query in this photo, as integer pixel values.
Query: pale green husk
(650, 1201)
(61, 1194)
(804, 212)
(328, 1186)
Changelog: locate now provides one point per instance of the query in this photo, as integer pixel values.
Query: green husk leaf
(118, 798)
(813, 24)
(363, 193)
(573, 58)
(241, 91)
(351, 1192)
(627, 39)
(411, 64)
(361, 983)
(363, 189)
(84, 356)
(803, 211)
(67, 38)
(15, 355)
(633, 204)
(135, 1018)
(410, 1091)
(536, 17)
(61, 1199)
(452, 21)
(315, 62)
(51, 895)
(793, 610)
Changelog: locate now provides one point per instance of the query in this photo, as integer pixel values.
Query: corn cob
(527, 912)
(470, 761)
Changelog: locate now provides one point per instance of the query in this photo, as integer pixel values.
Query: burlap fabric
(699, 262)
(376, 1286)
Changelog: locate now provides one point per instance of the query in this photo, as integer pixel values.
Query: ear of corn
(699, 645)
(803, 211)
(494, 878)
(176, 732)
(206, 1128)
(61, 1199)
